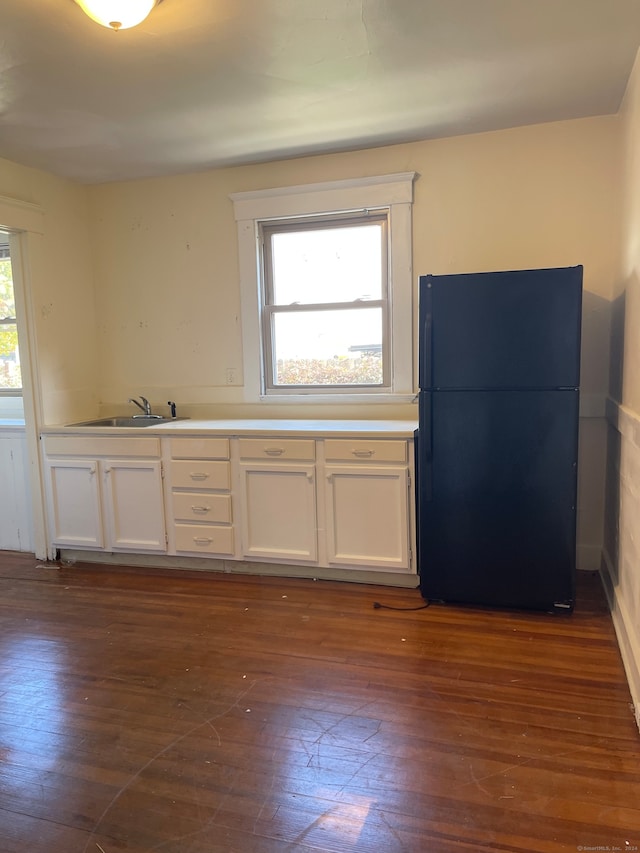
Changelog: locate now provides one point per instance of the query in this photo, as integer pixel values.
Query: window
(10, 374)
(325, 306)
(326, 284)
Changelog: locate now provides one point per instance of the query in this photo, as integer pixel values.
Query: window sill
(334, 399)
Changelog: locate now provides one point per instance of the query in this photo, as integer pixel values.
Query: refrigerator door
(516, 329)
(497, 497)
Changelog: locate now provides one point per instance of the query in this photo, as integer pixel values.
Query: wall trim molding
(19, 215)
(376, 190)
(624, 419)
(627, 643)
(627, 423)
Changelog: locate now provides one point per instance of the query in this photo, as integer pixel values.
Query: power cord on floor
(378, 606)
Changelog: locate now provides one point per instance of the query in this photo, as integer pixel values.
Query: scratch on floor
(159, 754)
(293, 845)
(264, 802)
(346, 784)
(373, 734)
(215, 731)
(392, 830)
(477, 781)
(339, 722)
(195, 833)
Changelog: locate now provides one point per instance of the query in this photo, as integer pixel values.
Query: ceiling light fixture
(117, 14)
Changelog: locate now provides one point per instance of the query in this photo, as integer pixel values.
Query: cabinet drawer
(199, 448)
(200, 506)
(367, 450)
(196, 473)
(74, 445)
(277, 448)
(204, 539)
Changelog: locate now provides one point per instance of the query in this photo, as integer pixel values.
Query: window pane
(328, 347)
(10, 375)
(339, 264)
(7, 302)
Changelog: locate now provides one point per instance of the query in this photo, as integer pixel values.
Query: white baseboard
(625, 633)
(408, 580)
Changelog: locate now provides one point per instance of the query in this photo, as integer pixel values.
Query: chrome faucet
(145, 406)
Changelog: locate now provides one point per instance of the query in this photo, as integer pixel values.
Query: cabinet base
(407, 580)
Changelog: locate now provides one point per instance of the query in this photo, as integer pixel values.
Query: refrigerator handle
(426, 446)
(426, 349)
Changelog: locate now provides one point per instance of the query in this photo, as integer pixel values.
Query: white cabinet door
(133, 504)
(279, 511)
(75, 515)
(125, 513)
(367, 516)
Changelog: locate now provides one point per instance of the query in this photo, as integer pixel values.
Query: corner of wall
(627, 642)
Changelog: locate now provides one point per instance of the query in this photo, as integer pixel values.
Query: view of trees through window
(10, 375)
(326, 302)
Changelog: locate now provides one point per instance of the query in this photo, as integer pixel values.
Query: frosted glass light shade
(117, 14)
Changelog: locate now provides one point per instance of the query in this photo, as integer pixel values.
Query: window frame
(269, 308)
(345, 198)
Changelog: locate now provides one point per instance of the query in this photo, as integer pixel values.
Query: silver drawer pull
(274, 451)
(198, 475)
(363, 452)
(202, 540)
(200, 509)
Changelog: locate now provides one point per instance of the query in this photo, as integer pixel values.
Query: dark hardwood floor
(191, 713)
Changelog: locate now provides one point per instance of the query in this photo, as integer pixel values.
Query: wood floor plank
(184, 712)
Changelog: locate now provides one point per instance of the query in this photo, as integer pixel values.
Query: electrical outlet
(231, 376)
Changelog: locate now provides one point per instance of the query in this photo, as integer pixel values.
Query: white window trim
(394, 192)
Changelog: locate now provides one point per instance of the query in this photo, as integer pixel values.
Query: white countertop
(243, 426)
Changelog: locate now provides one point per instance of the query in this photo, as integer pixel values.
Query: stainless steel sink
(128, 421)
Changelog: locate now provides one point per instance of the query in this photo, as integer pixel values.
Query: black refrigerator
(497, 444)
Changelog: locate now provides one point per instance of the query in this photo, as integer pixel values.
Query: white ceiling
(204, 83)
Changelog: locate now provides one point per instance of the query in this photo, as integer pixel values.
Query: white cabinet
(74, 505)
(108, 502)
(367, 503)
(279, 511)
(341, 504)
(133, 505)
(199, 506)
(367, 516)
(278, 499)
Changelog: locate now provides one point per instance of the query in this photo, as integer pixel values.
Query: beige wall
(59, 288)
(621, 563)
(167, 269)
(166, 249)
